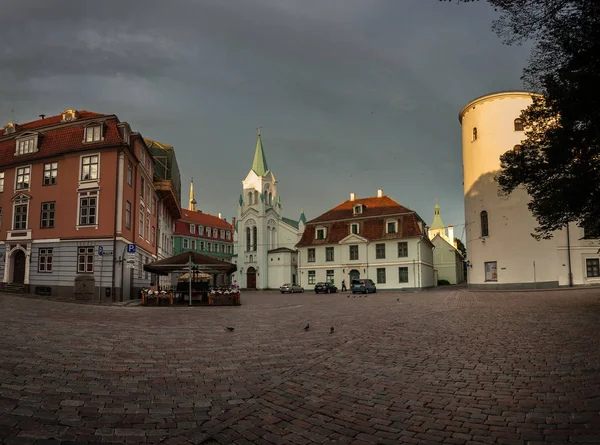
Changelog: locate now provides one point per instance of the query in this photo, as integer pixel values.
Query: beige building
(448, 262)
(502, 253)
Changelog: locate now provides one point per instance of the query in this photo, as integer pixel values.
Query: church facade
(264, 240)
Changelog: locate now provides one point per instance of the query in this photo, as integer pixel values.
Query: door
(251, 278)
(19, 267)
(354, 275)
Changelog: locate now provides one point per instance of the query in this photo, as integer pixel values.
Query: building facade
(265, 240)
(502, 253)
(447, 259)
(75, 190)
(374, 238)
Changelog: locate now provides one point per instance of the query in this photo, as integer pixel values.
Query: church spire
(437, 219)
(192, 204)
(259, 166)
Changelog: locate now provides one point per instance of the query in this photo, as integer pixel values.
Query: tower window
(474, 133)
(518, 125)
(484, 223)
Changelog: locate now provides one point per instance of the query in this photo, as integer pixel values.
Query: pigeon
(331, 330)
(230, 329)
(307, 327)
(348, 296)
(398, 299)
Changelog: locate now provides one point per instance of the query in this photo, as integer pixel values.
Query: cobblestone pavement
(446, 366)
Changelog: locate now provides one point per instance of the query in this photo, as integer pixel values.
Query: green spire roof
(302, 217)
(437, 219)
(259, 166)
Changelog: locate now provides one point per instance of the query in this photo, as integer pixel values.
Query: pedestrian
(343, 285)
(235, 285)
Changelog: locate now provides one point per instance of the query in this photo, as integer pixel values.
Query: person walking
(343, 285)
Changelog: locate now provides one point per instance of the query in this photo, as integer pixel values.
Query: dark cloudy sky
(353, 95)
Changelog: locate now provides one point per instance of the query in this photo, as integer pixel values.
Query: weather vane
(258, 128)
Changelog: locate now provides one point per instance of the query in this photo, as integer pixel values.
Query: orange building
(75, 190)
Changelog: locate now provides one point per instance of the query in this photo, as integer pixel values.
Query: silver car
(289, 288)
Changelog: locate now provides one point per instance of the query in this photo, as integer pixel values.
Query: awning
(183, 261)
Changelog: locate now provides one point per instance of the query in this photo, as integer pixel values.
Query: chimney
(352, 196)
(220, 215)
(233, 222)
(451, 234)
(379, 193)
(42, 116)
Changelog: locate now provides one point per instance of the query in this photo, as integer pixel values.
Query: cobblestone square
(445, 366)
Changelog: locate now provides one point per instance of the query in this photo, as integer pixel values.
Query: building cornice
(494, 96)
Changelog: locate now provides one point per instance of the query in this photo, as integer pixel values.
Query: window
(153, 236)
(208, 232)
(222, 248)
(147, 227)
(483, 216)
(50, 173)
(23, 174)
(192, 229)
(186, 243)
(88, 203)
(45, 260)
(592, 266)
(222, 234)
(381, 275)
(154, 206)
(193, 244)
(142, 156)
(354, 228)
(402, 249)
(380, 251)
(320, 233)
(228, 235)
(20, 221)
(141, 222)
(248, 238)
(311, 277)
(141, 262)
(474, 133)
(216, 247)
(129, 173)
(209, 248)
(93, 133)
(148, 192)
(254, 238)
(491, 271)
(128, 215)
(354, 252)
(89, 168)
(403, 275)
(1, 181)
(202, 245)
(329, 276)
(358, 209)
(85, 260)
(391, 227)
(311, 256)
(142, 187)
(518, 125)
(48, 214)
(329, 254)
(26, 146)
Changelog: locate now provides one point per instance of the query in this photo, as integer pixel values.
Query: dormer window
(358, 209)
(208, 232)
(192, 229)
(354, 228)
(321, 233)
(391, 226)
(93, 133)
(26, 146)
(200, 230)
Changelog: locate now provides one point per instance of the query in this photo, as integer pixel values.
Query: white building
(374, 238)
(264, 240)
(447, 259)
(501, 251)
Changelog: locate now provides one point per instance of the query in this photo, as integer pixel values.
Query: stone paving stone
(444, 366)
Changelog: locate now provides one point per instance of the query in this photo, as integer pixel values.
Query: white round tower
(500, 249)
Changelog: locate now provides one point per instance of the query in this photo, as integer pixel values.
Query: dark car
(325, 288)
(364, 286)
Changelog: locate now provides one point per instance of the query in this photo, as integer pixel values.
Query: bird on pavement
(331, 330)
(398, 299)
(307, 327)
(348, 296)
(230, 329)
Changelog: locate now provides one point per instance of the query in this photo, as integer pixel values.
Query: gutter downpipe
(419, 261)
(569, 256)
(114, 264)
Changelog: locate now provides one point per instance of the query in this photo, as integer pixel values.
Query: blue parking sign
(131, 248)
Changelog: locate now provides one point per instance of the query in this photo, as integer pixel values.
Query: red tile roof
(372, 222)
(56, 139)
(204, 219)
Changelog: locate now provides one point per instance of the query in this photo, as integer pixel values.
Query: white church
(264, 240)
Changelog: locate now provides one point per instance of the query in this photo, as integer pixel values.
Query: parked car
(363, 286)
(326, 288)
(289, 288)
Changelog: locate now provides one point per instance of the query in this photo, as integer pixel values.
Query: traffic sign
(100, 250)
(131, 248)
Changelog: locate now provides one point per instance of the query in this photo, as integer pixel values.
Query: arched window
(274, 236)
(248, 244)
(249, 198)
(474, 133)
(518, 124)
(484, 223)
(270, 198)
(254, 238)
(256, 197)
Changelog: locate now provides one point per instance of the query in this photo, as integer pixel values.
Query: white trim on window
(26, 144)
(24, 174)
(91, 163)
(92, 194)
(18, 203)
